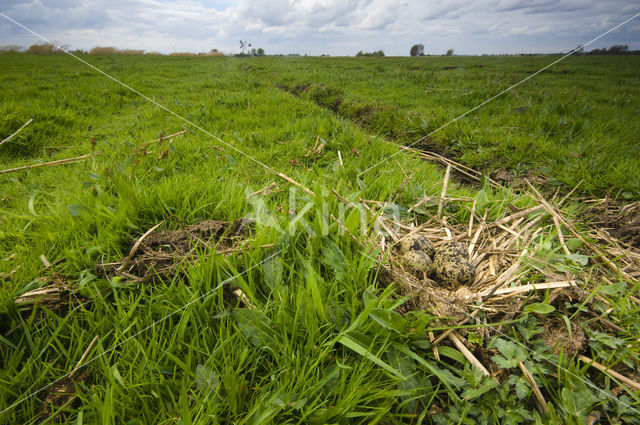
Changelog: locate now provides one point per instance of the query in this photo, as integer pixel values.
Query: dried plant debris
(621, 222)
(523, 267)
(158, 252)
(55, 296)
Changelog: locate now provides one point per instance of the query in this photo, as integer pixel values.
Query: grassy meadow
(316, 336)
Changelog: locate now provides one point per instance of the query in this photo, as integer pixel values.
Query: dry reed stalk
(342, 199)
(44, 261)
(266, 190)
(16, 132)
(161, 139)
(446, 333)
(471, 173)
(436, 353)
(542, 404)
(445, 183)
(295, 183)
(342, 225)
(483, 223)
(457, 340)
(84, 356)
(45, 164)
(135, 247)
(631, 383)
(570, 193)
(517, 215)
(244, 298)
(560, 235)
(528, 288)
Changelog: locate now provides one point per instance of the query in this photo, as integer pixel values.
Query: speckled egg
(455, 249)
(417, 261)
(417, 242)
(453, 270)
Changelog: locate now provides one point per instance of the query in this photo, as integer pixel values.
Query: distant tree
(260, 51)
(450, 52)
(379, 53)
(617, 49)
(579, 50)
(417, 50)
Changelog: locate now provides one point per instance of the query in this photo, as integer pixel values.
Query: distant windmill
(244, 45)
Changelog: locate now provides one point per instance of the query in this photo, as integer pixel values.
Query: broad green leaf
(76, 209)
(273, 269)
(452, 353)
(503, 362)
(481, 199)
(206, 379)
(30, 204)
(353, 221)
(573, 244)
(313, 283)
(389, 319)
(581, 259)
(446, 377)
(615, 289)
(256, 327)
(539, 308)
(510, 352)
(333, 257)
(116, 374)
(354, 345)
(473, 393)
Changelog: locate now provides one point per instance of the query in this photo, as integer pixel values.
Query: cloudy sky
(335, 27)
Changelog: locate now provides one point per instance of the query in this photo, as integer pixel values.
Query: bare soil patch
(159, 252)
(622, 222)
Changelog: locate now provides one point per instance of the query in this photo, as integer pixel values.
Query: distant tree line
(618, 49)
(370, 54)
(48, 49)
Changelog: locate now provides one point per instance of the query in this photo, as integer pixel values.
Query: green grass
(574, 122)
(324, 343)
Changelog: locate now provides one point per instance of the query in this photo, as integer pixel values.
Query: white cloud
(323, 26)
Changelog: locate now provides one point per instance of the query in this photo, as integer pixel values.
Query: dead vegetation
(518, 258)
(44, 49)
(100, 50)
(620, 221)
(156, 254)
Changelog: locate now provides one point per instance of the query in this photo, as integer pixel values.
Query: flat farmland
(225, 245)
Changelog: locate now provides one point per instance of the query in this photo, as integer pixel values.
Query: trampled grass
(319, 340)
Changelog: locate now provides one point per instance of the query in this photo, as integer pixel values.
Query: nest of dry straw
(520, 258)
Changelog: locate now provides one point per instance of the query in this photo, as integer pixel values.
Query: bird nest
(529, 256)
